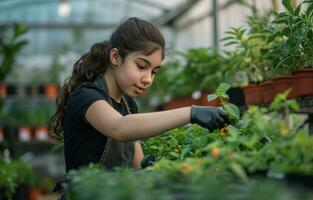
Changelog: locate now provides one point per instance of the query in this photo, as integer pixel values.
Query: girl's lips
(141, 89)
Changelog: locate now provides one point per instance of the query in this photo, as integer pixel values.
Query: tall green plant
(293, 32)
(248, 49)
(11, 44)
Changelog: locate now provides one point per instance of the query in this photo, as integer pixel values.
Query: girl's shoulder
(96, 84)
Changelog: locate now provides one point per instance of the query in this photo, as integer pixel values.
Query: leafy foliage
(193, 179)
(263, 139)
(13, 174)
(293, 35)
(195, 70)
(10, 44)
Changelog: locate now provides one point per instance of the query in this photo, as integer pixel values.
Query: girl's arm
(132, 127)
(138, 156)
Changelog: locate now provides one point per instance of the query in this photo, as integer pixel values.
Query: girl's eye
(140, 66)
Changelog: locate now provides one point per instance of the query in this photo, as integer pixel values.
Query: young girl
(96, 114)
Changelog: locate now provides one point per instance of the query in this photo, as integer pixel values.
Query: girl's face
(137, 72)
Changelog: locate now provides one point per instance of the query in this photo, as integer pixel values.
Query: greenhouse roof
(59, 23)
(92, 13)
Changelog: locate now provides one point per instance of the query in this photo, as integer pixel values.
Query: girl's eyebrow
(147, 62)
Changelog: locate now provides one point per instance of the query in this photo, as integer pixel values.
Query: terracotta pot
(51, 90)
(3, 90)
(268, 91)
(215, 103)
(283, 83)
(304, 81)
(25, 134)
(1, 134)
(41, 133)
(204, 101)
(253, 94)
(181, 102)
(34, 193)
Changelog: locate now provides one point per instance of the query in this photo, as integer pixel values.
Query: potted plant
(36, 86)
(189, 79)
(13, 175)
(248, 55)
(54, 71)
(3, 90)
(10, 45)
(293, 32)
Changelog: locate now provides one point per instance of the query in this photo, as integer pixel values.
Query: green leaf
(232, 111)
(297, 10)
(239, 171)
(211, 97)
(287, 5)
(231, 43)
(273, 36)
(287, 31)
(222, 89)
(309, 12)
(184, 152)
(283, 20)
(154, 147)
(310, 34)
(19, 29)
(174, 154)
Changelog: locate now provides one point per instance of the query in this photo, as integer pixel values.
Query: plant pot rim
(251, 85)
(282, 77)
(267, 82)
(303, 70)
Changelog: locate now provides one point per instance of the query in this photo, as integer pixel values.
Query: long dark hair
(132, 35)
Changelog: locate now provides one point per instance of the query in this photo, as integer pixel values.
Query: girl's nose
(148, 78)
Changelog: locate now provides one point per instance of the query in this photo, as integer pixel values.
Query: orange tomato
(215, 152)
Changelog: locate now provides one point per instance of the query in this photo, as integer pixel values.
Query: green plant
(249, 49)
(13, 174)
(293, 32)
(10, 45)
(55, 69)
(196, 70)
(231, 109)
(21, 115)
(171, 180)
(258, 140)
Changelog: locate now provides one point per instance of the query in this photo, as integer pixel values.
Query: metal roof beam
(152, 4)
(171, 16)
(65, 26)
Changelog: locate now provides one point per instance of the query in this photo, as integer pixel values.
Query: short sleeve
(82, 97)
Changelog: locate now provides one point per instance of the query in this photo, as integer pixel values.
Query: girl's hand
(209, 117)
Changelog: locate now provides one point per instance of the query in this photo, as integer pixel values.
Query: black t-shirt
(82, 143)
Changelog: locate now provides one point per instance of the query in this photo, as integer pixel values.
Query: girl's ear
(114, 56)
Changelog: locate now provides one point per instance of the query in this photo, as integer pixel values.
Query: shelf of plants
(259, 153)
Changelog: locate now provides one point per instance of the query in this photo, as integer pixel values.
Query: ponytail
(87, 68)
